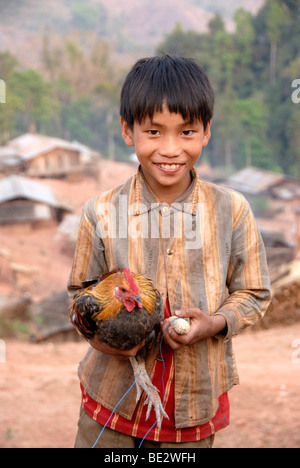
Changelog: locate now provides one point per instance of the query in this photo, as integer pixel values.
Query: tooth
(169, 166)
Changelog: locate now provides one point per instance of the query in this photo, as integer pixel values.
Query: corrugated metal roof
(19, 187)
(8, 156)
(287, 191)
(30, 145)
(252, 180)
(7, 151)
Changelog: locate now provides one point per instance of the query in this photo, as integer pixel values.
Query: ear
(127, 133)
(207, 134)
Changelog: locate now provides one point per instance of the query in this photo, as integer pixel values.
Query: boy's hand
(99, 345)
(201, 326)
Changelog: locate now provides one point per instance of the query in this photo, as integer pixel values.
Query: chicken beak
(138, 300)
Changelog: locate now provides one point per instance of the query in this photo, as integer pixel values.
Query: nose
(170, 147)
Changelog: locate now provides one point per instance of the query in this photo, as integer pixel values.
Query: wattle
(129, 304)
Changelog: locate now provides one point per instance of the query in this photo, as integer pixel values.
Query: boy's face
(167, 147)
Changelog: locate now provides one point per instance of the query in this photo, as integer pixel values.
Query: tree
(216, 24)
(276, 16)
(293, 137)
(179, 42)
(8, 63)
(76, 117)
(292, 5)
(251, 116)
(244, 35)
(109, 93)
(224, 133)
(67, 61)
(35, 95)
(8, 116)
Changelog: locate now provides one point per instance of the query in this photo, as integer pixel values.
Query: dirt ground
(40, 397)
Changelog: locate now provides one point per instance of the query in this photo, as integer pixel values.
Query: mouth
(169, 168)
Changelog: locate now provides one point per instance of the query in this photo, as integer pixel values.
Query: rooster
(123, 309)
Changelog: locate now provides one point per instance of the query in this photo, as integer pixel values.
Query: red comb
(133, 286)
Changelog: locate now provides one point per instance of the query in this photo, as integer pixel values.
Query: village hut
(266, 190)
(25, 201)
(44, 156)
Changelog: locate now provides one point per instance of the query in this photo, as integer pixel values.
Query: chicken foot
(143, 382)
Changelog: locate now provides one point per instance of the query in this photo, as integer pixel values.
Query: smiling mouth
(169, 167)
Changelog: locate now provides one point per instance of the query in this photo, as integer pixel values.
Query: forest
(254, 70)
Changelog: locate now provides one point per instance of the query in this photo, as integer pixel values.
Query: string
(162, 381)
(115, 409)
(163, 386)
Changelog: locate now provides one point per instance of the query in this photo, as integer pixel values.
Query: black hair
(177, 81)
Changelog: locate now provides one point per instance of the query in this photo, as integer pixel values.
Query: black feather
(129, 329)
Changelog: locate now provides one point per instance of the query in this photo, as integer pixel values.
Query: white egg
(180, 325)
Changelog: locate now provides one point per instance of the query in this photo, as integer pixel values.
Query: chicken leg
(143, 382)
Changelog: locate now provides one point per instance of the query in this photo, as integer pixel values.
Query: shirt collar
(146, 200)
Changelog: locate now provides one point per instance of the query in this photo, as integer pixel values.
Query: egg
(180, 325)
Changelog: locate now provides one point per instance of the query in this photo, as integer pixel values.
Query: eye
(153, 132)
(188, 132)
(123, 290)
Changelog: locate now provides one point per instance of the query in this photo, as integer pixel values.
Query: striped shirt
(203, 251)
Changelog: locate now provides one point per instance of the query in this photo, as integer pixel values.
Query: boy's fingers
(126, 354)
(169, 337)
(187, 312)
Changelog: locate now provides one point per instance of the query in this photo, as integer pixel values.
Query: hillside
(134, 26)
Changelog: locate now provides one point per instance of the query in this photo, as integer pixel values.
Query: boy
(200, 246)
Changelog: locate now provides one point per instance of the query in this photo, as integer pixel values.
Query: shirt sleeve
(89, 258)
(248, 279)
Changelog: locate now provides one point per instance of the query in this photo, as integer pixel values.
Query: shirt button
(169, 251)
(165, 210)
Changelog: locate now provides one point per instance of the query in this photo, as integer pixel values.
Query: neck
(167, 194)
